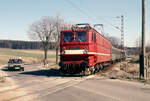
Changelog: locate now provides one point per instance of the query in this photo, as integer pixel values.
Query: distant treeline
(15, 44)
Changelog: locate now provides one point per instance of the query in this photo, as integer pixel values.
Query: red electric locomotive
(83, 49)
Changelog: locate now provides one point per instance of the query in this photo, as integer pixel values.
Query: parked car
(15, 64)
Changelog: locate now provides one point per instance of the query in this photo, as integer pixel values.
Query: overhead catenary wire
(82, 11)
(85, 13)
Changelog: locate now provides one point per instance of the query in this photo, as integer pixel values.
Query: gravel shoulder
(6, 82)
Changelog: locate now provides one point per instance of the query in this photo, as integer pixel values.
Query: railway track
(30, 91)
(106, 69)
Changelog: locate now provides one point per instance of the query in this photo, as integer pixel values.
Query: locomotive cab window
(81, 36)
(68, 36)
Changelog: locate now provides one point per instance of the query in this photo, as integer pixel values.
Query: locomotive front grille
(74, 58)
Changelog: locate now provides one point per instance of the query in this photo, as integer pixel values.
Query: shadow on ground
(50, 72)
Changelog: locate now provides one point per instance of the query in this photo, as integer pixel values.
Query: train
(84, 50)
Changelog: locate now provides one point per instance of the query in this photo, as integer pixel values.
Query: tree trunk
(45, 52)
(57, 55)
(45, 56)
(57, 47)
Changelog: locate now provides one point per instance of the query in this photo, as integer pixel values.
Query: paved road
(35, 84)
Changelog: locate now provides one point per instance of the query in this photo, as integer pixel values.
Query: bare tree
(43, 30)
(116, 42)
(60, 24)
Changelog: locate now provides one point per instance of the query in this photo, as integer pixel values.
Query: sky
(17, 15)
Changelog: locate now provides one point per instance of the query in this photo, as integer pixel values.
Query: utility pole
(142, 55)
(122, 33)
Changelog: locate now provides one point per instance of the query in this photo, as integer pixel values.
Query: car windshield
(68, 36)
(81, 37)
(15, 61)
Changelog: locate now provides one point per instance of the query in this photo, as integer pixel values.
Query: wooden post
(142, 55)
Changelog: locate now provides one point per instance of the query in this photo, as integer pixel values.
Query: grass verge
(28, 56)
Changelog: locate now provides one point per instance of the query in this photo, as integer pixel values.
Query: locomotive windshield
(68, 36)
(81, 36)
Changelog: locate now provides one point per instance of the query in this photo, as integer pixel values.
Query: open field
(28, 56)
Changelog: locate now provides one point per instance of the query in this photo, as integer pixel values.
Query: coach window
(68, 36)
(81, 36)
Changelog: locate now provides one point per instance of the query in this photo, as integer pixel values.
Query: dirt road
(36, 84)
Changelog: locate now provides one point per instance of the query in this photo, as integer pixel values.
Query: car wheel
(22, 68)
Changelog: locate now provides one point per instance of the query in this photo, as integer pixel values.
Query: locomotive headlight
(63, 52)
(85, 51)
